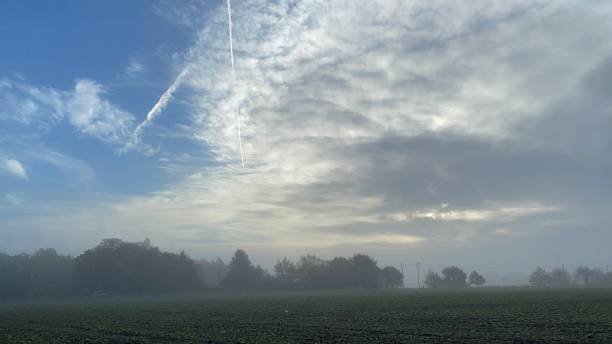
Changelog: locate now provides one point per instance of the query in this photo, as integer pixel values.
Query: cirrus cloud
(84, 108)
(382, 124)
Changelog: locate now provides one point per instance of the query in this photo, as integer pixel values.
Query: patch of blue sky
(125, 47)
(55, 42)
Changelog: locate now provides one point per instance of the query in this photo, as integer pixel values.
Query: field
(396, 316)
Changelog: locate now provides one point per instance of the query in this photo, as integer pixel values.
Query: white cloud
(15, 168)
(135, 68)
(96, 117)
(500, 214)
(183, 15)
(361, 117)
(84, 108)
(355, 112)
(29, 105)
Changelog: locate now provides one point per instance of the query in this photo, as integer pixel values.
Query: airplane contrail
(231, 43)
(161, 103)
(167, 96)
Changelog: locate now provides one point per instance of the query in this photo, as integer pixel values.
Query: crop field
(395, 316)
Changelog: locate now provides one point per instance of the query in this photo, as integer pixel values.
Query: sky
(475, 132)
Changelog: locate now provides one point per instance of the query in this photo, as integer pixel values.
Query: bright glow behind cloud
(360, 118)
(355, 111)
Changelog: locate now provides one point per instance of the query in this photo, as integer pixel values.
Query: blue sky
(427, 130)
(57, 42)
(52, 44)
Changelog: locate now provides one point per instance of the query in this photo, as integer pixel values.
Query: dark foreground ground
(399, 316)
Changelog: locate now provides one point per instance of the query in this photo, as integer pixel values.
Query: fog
(473, 134)
(119, 268)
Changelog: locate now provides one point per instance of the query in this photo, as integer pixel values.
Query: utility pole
(402, 268)
(418, 265)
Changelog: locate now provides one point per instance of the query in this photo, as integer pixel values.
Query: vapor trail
(165, 98)
(231, 43)
(160, 104)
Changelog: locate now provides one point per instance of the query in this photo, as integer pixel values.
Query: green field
(396, 316)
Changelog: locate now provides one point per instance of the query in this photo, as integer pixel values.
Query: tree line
(311, 272)
(560, 278)
(119, 267)
(453, 277)
(112, 267)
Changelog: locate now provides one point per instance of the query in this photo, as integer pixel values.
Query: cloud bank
(365, 115)
(380, 125)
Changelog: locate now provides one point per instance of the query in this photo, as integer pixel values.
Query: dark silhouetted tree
(285, 272)
(390, 277)
(365, 271)
(311, 271)
(476, 279)
(119, 267)
(340, 273)
(454, 277)
(360, 271)
(51, 274)
(43, 274)
(14, 276)
(241, 274)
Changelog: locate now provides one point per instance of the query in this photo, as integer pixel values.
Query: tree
(14, 276)
(365, 271)
(119, 267)
(589, 277)
(311, 271)
(340, 273)
(559, 278)
(212, 273)
(598, 277)
(539, 278)
(112, 243)
(241, 273)
(390, 277)
(188, 272)
(433, 280)
(454, 277)
(582, 275)
(285, 272)
(50, 274)
(476, 279)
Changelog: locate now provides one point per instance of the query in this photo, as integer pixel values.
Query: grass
(393, 316)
